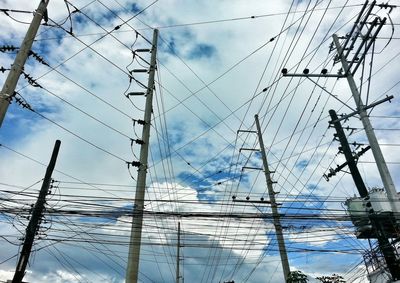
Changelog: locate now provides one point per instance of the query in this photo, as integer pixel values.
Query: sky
(218, 65)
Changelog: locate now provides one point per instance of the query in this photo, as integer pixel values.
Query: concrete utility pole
(37, 214)
(132, 270)
(178, 252)
(10, 84)
(350, 66)
(376, 150)
(274, 206)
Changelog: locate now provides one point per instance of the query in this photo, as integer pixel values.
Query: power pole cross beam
(10, 84)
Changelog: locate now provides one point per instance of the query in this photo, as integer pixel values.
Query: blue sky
(217, 67)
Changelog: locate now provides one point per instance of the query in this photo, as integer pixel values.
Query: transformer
(376, 205)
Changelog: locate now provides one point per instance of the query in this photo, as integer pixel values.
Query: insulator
(135, 163)
(139, 141)
(7, 48)
(135, 93)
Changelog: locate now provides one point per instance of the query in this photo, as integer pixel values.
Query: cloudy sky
(218, 64)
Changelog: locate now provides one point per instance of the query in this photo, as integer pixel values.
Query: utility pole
(132, 270)
(377, 222)
(362, 190)
(350, 65)
(178, 252)
(358, 43)
(369, 131)
(10, 84)
(37, 214)
(274, 206)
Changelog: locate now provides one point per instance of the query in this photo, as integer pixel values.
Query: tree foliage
(297, 277)
(335, 278)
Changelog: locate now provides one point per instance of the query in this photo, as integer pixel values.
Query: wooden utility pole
(37, 214)
(132, 270)
(10, 84)
(274, 206)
